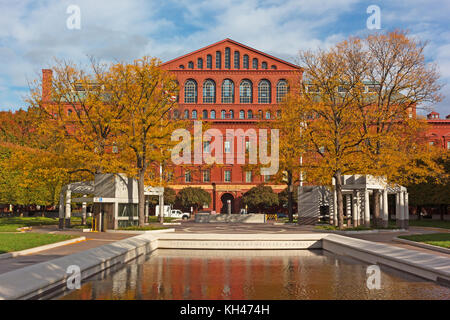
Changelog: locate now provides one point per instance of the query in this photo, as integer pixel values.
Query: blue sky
(33, 32)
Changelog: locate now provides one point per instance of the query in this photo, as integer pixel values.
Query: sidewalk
(388, 238)
(93, 239)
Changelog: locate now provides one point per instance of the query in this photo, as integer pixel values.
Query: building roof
(236, 44)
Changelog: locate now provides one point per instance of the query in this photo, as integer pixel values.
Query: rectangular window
(236, 60)
(206, 176)
(187, 176)
(227, 58)
(266, 177)
(227, 146)
(448, 145)
(206, 146)
(227, 176)
(248, 176)
(218, 60)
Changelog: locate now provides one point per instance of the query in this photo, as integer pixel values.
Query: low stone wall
(43, 278)
(229, 218)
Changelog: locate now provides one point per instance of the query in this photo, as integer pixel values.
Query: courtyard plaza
(96, 239)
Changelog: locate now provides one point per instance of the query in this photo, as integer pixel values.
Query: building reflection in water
(236, 274)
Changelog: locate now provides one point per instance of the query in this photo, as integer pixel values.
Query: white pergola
(356, 192)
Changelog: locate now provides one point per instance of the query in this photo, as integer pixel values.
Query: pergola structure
(356, 191)
(114, 198)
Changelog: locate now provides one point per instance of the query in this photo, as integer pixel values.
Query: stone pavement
(382, 237)
(93, 239)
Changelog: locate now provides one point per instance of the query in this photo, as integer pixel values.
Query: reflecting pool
(263, 274)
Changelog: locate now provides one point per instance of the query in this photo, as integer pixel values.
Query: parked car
(173, 213)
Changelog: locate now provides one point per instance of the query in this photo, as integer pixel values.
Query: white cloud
(33, 32)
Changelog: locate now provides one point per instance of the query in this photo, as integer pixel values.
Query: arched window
(200, 63)
(209, 61)
(260, 114)
(249, 114)
(227, 58)
(245, 61)
(213, 114)
(255, 63)
(227, 91)
(278, 114)
(267, 114)
(69, 112)
(274, 67)
(194, 114)
(281, 90)
(237, 62)
(245, 91)
(186, 114)
(242, 114)
(264, 91)
(223, 114)
(264, 65)
(205, 114)
(231, 114)
(181, 66)
(190, 65)
(176, 114)
(209, 91)
(218, 60)
(190, 92)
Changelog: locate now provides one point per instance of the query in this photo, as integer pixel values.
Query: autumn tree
(145, 94)
(359, 98)
(291, 144)
(399, 80)
(333, 123)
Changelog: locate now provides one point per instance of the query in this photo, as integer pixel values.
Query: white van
(173, 213)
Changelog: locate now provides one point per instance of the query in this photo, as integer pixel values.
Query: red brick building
(229, 86)
(439, 132)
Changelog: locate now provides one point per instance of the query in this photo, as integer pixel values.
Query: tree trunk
(376, 208)
(161, 212)
(290, 197)
(141, 197)
(339, 200)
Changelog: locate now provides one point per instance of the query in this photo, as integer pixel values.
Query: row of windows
(227, 62)
(206, 176)
(227, 115)
(227, 95)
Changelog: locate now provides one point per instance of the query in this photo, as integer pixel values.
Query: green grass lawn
(10, 224)
(435, 239)
(430, 223)
(10, 242)
(144, 228)
(359, 228)
(156, 219)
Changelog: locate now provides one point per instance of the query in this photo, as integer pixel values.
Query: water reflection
(217, 274)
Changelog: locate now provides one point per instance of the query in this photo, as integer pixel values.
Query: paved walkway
(93, 239)
(382, 237)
